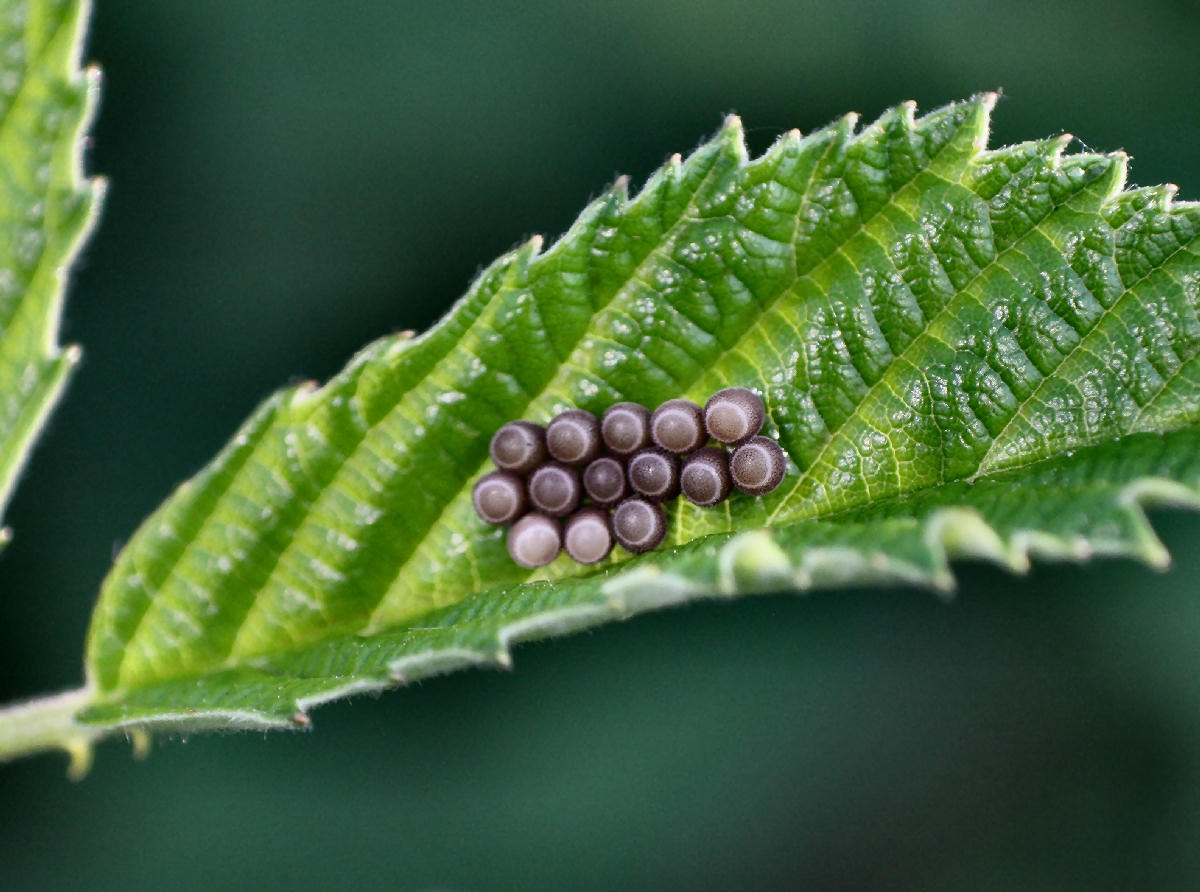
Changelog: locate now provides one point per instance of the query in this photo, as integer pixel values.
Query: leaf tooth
(503, 659)
(1118, 174)
(615, 196)
(1156, 492)
(618, 192)
(974, 115)
(905, 114)
(1166, 196)
(1058, 145)
(302, 394)
(733, 135)
(753, 560)
(527, 254)
(667, 174)
(985, 102)
(962, 532)
(80, 754)
(1156, 197)
(846, 127)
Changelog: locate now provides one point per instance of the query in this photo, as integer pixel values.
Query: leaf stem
(49, 723)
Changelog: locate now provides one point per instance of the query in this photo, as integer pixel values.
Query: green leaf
(965, 353)
(46, 210)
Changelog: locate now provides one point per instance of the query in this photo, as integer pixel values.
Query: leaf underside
(46, 209)
(965, 353)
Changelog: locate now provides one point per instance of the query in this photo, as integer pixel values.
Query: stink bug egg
(704, 479)
(573, 437)
(734, 415)
(678, 426)
(639, 525)
(534, 540)
(654, 473)
(554, 489)
(587, 537)
(499, 497)
(604, 481)
(757, 466)
(519, 446)
(625, 428)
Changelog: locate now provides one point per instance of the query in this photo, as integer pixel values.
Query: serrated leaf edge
(38, 408)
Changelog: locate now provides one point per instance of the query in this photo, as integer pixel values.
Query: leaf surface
(965, 352)
(46, 209)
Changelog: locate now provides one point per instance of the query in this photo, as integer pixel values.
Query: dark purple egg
(678, 426)
(519, 446)
(573, 437)
(654, 473)
(534, 540)
(734, 415)
(587, 535)
(554, 489)
(499, 497)
(757, 466)
(625, 428)
(704, 478)
(604, 481)
(639, 525)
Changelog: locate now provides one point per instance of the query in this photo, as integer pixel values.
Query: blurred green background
(290, 181)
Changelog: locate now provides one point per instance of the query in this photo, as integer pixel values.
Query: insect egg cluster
(583, 483)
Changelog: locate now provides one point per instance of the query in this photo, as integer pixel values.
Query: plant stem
(49, 723)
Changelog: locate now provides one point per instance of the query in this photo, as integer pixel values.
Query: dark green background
(292, 180)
